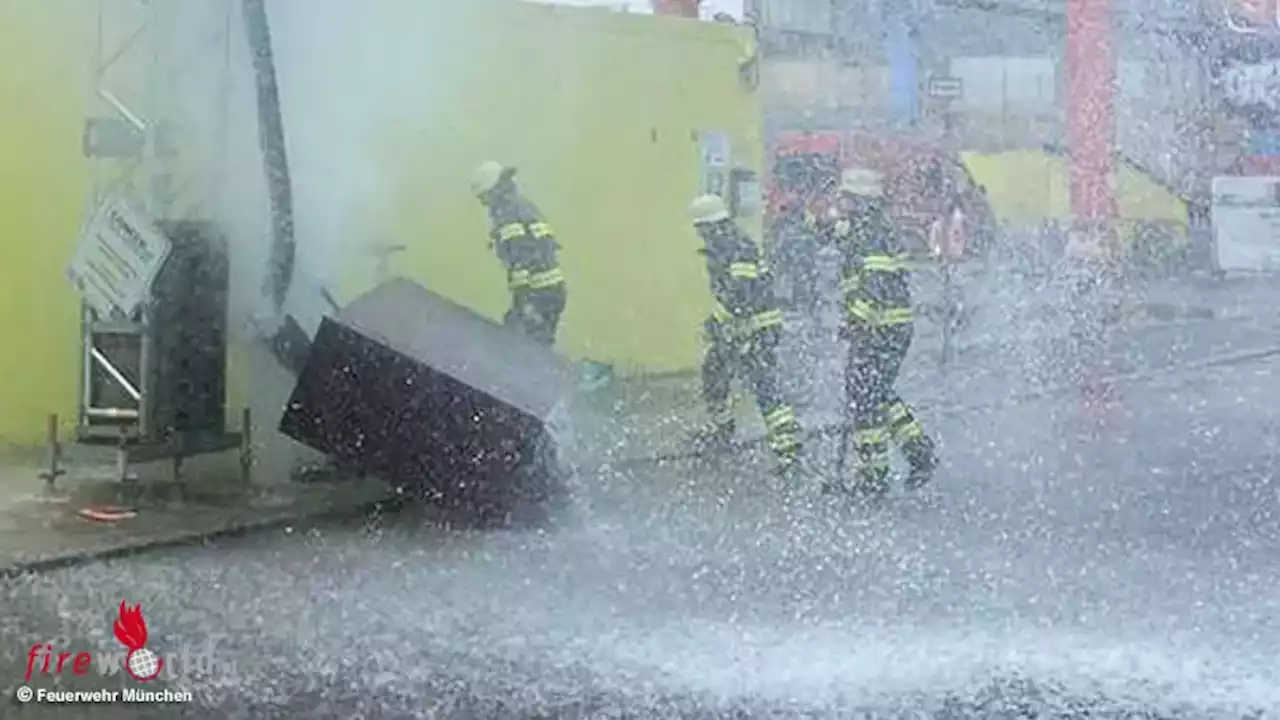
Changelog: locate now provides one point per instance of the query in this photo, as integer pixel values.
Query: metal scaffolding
(158, 136)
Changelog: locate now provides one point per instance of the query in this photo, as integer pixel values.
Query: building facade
(869, 64)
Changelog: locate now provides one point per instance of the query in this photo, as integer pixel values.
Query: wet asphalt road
(1057, 569)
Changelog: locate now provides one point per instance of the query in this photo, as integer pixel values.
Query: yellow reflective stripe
(511, 231)
(783, 442)
(766, 319)
(541, 230)
(721, 313)
(779, 418)
(851, 283)
(862, 310)
(865, 311)
(898, 412)
(896, 316)
(871, 436)
(884, 263)
(744, 270)
(909, 430)
(518, 279)
(546, 279)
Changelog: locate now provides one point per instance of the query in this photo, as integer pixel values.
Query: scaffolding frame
(158, 137)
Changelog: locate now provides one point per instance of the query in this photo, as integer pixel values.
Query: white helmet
(486, 177)
(862, 182)
(708, 209)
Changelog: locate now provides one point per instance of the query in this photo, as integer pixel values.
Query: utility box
(408, 386)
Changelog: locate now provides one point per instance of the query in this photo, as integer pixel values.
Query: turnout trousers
(878, 415)
(756, 361)
(536, 313)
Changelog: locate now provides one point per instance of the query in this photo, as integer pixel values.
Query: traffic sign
(1252, 16)
(946, 88)
(117, 259)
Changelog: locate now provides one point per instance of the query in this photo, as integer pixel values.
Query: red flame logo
(131, 630)
(130, 627)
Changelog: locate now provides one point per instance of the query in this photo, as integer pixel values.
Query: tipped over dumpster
(408, 386)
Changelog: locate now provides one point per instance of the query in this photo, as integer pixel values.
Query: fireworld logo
(130, 628)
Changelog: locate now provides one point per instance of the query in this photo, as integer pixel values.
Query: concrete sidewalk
(41, 528)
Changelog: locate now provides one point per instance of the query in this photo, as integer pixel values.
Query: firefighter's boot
(871, 479)
(918, 447)
(800, 482)
(871, 486)
(715, 436)
(922, 455)
(794, 466)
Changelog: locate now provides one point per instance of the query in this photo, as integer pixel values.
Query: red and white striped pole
(1091, 147)
(1091, 76)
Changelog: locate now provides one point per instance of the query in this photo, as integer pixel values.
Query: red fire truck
(919, 178)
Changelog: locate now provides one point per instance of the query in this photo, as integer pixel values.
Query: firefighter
(743, 333)
(796, 234)
(527, 247)
(879, 327)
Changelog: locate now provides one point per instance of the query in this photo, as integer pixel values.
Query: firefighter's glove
(717, 332)
(742, 332)
(710, 331)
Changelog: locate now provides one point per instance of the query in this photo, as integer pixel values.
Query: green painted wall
(599, 111)
(43, 185)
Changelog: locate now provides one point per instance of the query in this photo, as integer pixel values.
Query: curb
(833, 429)
(239, 528)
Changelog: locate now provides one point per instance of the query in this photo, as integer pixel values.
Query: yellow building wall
(44, 67)
(599, 110)
(1030, 185)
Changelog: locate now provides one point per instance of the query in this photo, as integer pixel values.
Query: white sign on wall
(1251, 84)
(117, 259)
(716, 157)
(1246, 223)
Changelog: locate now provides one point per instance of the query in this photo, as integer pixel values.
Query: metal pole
(223, 144)
(153, 198)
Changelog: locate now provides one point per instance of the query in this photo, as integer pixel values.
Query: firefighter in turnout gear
(879, 327)
(527, 247)
(742, 333)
